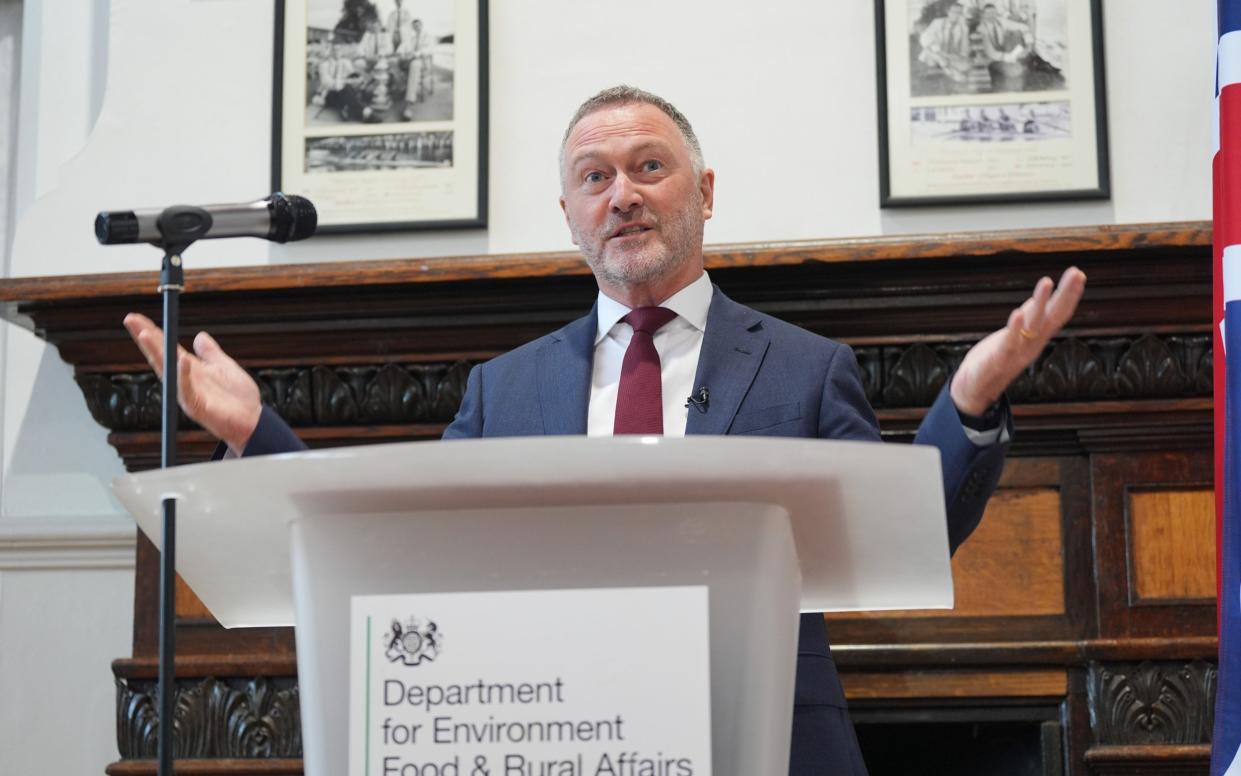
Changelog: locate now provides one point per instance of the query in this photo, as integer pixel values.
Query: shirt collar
(690, 304)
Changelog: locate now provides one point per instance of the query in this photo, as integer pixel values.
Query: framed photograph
(984, 101)
(381, 112)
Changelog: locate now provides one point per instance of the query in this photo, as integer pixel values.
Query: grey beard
(628, 273)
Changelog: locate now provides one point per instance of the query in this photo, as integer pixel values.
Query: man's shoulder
(525, 356)
(780, 331)
(521, 354)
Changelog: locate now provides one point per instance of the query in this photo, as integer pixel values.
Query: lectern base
(743, 553)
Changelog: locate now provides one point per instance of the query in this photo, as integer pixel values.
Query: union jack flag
(1226, 750)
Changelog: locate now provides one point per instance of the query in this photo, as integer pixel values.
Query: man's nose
(625, 195)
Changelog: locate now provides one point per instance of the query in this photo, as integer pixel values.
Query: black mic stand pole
(180, 227)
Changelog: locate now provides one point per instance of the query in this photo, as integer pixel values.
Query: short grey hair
(632, 95)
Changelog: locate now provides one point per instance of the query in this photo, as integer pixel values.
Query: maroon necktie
(639, 400)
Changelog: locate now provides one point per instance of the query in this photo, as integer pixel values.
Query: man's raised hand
(991, 365)
(212, 388)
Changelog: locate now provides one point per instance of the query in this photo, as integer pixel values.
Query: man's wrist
(238, 441)
(966, 400)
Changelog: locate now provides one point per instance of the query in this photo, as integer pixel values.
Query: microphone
(279, 218)
(701, 402)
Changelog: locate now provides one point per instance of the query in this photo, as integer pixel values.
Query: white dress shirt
(678, 344)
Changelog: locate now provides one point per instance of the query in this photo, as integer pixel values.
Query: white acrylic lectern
(771, 526)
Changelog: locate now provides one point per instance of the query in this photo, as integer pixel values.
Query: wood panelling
(239, 767)
(1152, 702)
(1041, 683)
(1187, 760)
(1172, 544)
(1095, 240)
(252, 664)
(1010, 575)
(230, 717)
(188, 605)
(197, 638)
(1013, 563)
(998, 653)
(1070, 565)
(908, 289)
(1115, 477)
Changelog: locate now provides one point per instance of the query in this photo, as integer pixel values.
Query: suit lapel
(732, 351)
(564, 376)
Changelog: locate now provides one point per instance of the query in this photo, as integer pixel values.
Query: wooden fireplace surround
(1084, 600)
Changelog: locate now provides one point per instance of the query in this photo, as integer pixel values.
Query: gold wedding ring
(1027, 334)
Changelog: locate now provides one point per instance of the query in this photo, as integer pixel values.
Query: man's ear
(706, 187)
(572, 236)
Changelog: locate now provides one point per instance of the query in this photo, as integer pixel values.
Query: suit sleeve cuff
(272, 435)
(991, 427)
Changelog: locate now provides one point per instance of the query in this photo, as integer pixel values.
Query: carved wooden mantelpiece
(378, 350)
(1070, 611)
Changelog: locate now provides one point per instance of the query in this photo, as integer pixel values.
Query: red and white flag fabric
(1226, 740)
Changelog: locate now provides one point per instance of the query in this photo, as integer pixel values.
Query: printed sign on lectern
(611, 682)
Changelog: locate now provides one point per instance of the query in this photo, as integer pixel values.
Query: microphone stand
(180, 226)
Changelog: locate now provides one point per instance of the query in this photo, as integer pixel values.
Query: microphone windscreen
(115, 227)
(292, 217)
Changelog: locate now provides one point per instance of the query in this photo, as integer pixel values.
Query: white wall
(64, 595)
(66, 555)
(147, 102)
(782, 95)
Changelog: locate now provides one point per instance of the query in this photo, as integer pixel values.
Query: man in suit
(635, 195)
(945, 44)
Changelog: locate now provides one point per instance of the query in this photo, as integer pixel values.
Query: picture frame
(380, 112)
(996, 101)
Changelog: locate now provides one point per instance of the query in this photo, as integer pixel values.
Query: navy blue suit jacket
(766, 377)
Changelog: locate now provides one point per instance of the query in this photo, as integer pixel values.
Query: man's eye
(593, 177)
(652, 165)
